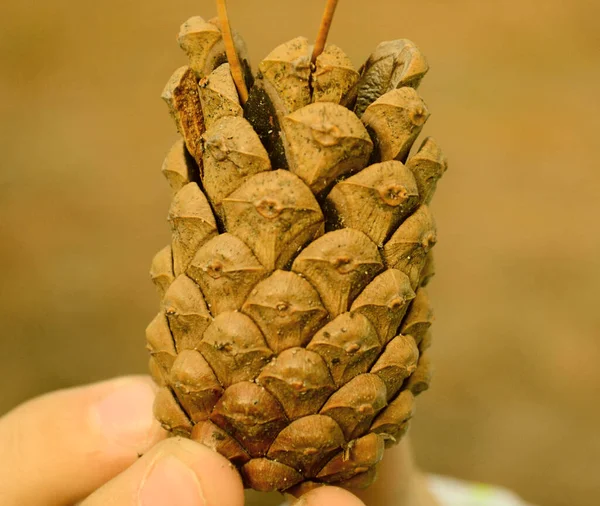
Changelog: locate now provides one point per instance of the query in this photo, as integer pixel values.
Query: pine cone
(294, 322)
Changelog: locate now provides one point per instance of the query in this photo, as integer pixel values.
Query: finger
(176, 472)
(58, 448)
(398, 480)
(329, 496)
(394, 477)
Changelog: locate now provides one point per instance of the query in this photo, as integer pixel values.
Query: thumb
(328, 496)
(177, 472)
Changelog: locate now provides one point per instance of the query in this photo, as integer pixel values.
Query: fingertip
(123, 414)
(169, 481)
(329, 496)
(175, 471)
(218, 478)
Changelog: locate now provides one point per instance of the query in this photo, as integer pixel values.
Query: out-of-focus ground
(514, 95)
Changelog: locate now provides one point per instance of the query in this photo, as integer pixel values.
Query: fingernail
(171, 482)
(124, 415)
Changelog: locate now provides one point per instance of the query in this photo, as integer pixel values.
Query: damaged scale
(294, 325)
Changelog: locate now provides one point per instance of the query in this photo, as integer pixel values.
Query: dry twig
(324, 28)
(232, 57)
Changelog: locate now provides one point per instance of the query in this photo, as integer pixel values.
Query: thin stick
(232, 57)
(324, 28)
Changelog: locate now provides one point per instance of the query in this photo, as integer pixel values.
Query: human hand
(99, 444)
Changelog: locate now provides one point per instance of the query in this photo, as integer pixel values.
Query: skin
(99, 445)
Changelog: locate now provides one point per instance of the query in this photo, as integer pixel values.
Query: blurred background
(513, 91)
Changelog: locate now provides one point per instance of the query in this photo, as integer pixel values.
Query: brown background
(514, 94)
